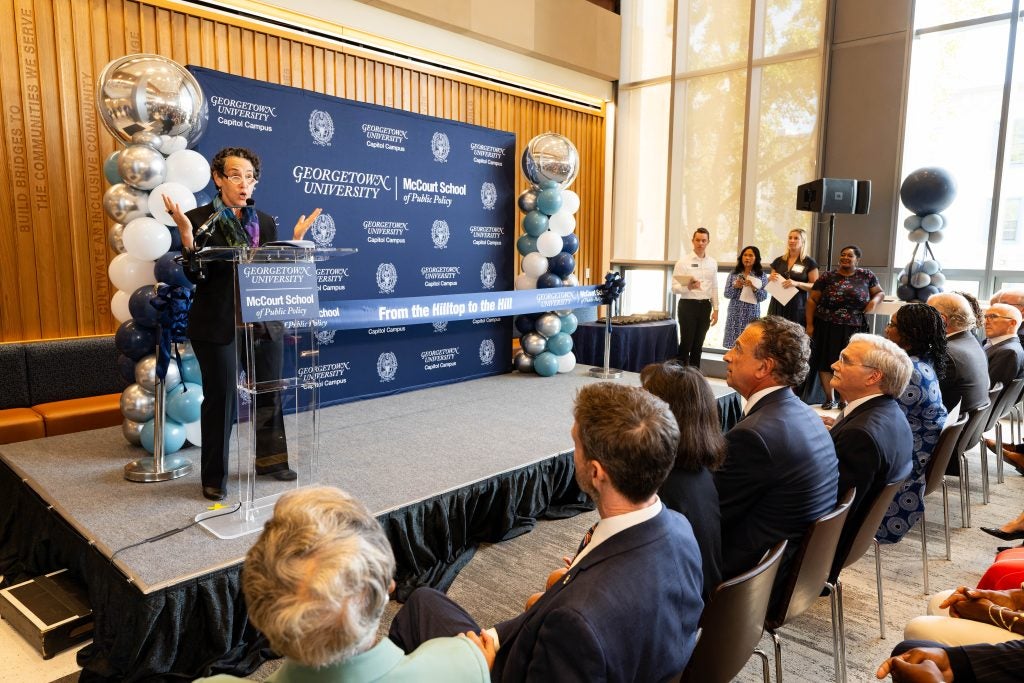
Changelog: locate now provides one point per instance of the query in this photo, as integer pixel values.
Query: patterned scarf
(235, 232)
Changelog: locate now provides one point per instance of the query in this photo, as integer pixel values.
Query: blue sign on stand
(277, 291)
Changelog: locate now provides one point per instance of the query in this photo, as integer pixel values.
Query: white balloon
(119, 306)
(567, 362)
(549, 244)
(178, 193)
(570, 201)
(146, 239)
(562, 223)
(524, 281)
(189, 168)
(912, 222)
(129, 273)
(919, 235)
(169, 144)
(535, 265)
(571, 281)
(193, 433)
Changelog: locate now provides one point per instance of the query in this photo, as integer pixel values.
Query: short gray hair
(316, 582)
(889, 359)
(788, 345)
(956, 309)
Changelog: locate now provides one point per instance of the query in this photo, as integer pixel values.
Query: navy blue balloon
(175, 238)
(570, 243)
(139, 306)
(928, 190)
(126, 368)
(524, 323)
(906, 293)
(562, 264)
(169, 271)
(924, 292)
(548, 280)
(202, 198)
(134, 340)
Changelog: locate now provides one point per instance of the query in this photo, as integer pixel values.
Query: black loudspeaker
(828, 195)
(863, 197)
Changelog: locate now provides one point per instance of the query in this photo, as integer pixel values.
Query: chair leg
(765, 667)
(924, 548)
(878, 579)
(983, 451)
(778, 656)
(838, 634)
(945, 516)
(965, 493)
(999, 452)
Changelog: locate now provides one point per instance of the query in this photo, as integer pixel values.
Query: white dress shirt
(705, 271)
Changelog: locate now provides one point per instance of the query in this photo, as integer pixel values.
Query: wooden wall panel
(53, 230)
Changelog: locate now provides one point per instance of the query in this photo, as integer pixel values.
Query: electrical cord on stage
(171, 532)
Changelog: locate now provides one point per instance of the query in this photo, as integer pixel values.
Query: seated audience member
(316, 583)
(974, 616)
(628, 604)
(918, 329)
(919, 661)
(978, 332)
(1014, 297)
(780, 471)
(1003, 349)
(689, 488)
(966, 380)
(871, 435)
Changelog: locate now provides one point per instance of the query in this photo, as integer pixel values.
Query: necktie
(586, 538)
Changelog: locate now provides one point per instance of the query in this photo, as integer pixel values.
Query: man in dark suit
(780, 472)
(872, 437)
(1002, 346)
(626, 607)
(923, 660)
(966, 380)
(1013, 297)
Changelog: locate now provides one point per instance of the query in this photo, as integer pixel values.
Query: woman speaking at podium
(230, 220)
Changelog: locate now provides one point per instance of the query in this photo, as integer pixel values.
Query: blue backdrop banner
(428, 203)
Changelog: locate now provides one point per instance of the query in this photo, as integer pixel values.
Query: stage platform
(442, 468)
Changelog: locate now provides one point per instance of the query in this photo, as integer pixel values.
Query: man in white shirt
(626, 607)
(695, 282)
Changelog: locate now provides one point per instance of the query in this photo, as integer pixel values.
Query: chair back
(869, 525)
(810, 567)
(1008, 399)
(935, 470)
(733, 621)
(999, 402)
(976, 422)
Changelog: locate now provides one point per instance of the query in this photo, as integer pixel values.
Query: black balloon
(928, 190)
(562, 264)
(524, 323)
(548, 280)
(134, 340)
(175, 239)
(169, 271)
(139, 306)
(126, 368)
(570, 243)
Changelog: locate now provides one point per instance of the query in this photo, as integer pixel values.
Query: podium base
(144, 469)
(249, 518)
(601, 373)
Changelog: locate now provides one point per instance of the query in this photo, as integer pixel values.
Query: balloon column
(548, 247)
(157, 110)
(927, 192)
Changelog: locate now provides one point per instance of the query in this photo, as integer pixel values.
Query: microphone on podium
(202, 236)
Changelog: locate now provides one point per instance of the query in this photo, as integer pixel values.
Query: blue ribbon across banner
(366, 313)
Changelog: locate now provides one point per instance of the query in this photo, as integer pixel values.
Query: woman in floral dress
(747, 274)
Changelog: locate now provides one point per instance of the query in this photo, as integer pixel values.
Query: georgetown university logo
(323, 230)
(488, 195)
(387, 278)
(440, 146)
(440, 326)
(439, 232)
(325, 336)
(486, 352)
(387, 366)
(321, 127)
(488, 274)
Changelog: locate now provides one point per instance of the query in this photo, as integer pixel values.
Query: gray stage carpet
(389, 452)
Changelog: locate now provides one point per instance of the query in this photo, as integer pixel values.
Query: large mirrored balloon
(533, 343)
(150, 93)
(145, 375)
(523, 362)
(548, 325)
(551, 157)
(137, 404)
(115, 238)
(147, 138)
(142, 166)
(124, 203)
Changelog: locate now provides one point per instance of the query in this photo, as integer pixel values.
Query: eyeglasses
(239, 180)
(847, 363)
(993, 316)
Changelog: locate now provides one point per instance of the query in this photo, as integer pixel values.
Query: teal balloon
(546, 364)
(174, 436)
(549, 201)
(110, 171)
(527, 244)
(560, 344)
(549, 185)
(569, 323)
(183, 404)
(535, 223)
(190, 369)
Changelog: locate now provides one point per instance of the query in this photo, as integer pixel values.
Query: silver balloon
(548, 325)
(551, 158)
(528, 200)
(114, 238)
(145, 374)
(153, 94)
(137, 404)
(142, 166)
(533, 343)
(124, 203)
(146, 138)
(523, 362)
(132, 431)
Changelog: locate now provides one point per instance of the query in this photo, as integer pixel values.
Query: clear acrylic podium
(278, 397)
